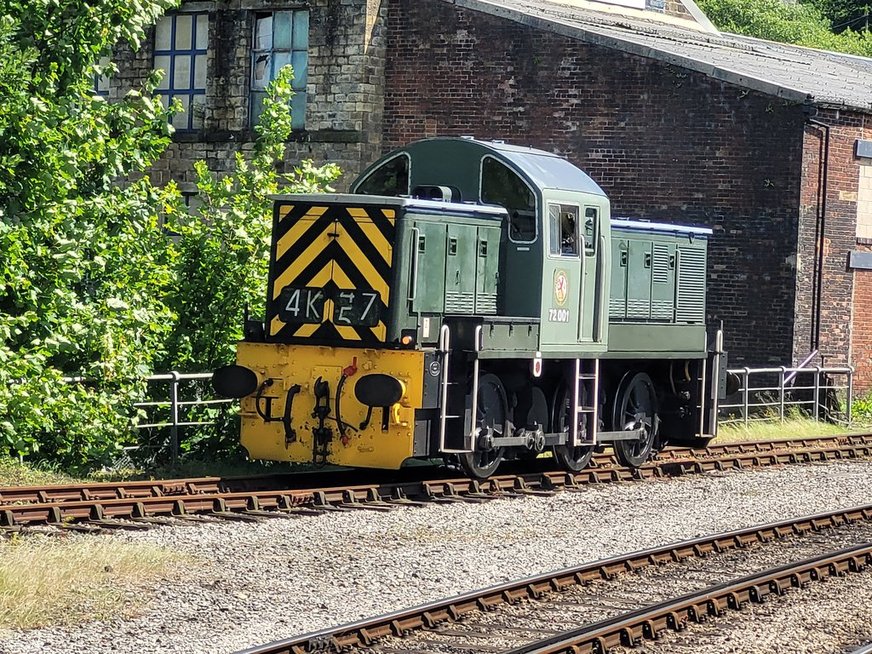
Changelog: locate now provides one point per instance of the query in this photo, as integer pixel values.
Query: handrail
(802, 364)
(777, 392)
(765, 393)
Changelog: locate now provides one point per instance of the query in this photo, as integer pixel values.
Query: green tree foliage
(222, 255)
(80, 257)
(845, 14)
(797, 23)
(223, 248)
(90, 285)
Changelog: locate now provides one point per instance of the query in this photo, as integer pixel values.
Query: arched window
(391, 178)
(503, 186)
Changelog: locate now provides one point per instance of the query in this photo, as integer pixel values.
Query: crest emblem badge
(561, 287)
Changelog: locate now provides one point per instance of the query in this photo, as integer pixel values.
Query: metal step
(586, 378)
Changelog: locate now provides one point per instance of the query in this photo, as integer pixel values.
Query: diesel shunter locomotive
(475, 301)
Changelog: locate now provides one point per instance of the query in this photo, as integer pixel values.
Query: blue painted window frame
(101, 82)
(268, 57)
(184, 88)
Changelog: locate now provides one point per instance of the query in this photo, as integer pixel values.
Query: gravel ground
(528, 621)
(833, 617)
(282, 577)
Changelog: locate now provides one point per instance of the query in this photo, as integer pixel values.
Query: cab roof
(456, 161)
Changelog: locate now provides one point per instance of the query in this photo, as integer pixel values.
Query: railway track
(618, 601)
(143, 504)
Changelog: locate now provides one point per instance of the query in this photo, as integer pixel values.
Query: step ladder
(709, 391)
(453, 405)
(585, 394)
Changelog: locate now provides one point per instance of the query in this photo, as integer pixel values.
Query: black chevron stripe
(281, 227)
(327, 331)
(384, 225)
(367, 247)
(308, 237)
(317, 264)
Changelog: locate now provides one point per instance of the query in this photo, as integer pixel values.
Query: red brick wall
(664, 143)
(844, 334)
(861, 333)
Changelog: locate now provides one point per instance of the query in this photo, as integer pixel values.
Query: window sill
(249, 136)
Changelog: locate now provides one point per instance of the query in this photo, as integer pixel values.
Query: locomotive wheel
(635, 407)
(573, 459)
(490, 421)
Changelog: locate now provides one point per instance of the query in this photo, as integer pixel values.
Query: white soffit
(633, 9)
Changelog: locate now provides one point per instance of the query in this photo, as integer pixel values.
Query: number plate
(306, 305)
(558, 315)
(359, 308)
(302, 305)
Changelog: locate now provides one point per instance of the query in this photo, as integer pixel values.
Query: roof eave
(594, 37)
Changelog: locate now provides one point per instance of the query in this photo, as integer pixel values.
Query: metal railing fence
(178, 403)
(172, 399)
(767, 394)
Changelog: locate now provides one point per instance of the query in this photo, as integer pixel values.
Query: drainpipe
(820, 230)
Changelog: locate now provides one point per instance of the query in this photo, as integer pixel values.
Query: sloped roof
(788, 71)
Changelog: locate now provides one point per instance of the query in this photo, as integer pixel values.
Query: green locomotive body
(496, 308)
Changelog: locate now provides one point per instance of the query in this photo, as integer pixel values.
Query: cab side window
(503, 186)
(563, 230)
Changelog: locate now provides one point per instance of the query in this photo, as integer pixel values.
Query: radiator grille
(661, 310)
(691, 286)
(660, 267)
(459, 302)
(618, 307)
(486, 303)
(638, 308)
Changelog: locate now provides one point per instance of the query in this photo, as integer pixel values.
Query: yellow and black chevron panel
(330, 272)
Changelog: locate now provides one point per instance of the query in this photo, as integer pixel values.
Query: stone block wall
(665, 144)
(345, 86)
(677, 8)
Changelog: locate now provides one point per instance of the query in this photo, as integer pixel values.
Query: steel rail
(365, 633)
(256, 504)
(93, 491)
(166, 487)
(650, 622)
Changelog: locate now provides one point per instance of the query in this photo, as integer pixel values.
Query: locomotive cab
(551, 205)
(476, 301)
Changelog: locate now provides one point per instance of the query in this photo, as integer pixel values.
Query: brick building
(768, 144)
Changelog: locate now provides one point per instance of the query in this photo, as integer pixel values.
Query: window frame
(298, 122)
(862, 219)
(561, 204)
(536, 232)
(102, 83)
(364, 180)
(191, 90)
(590, 251)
